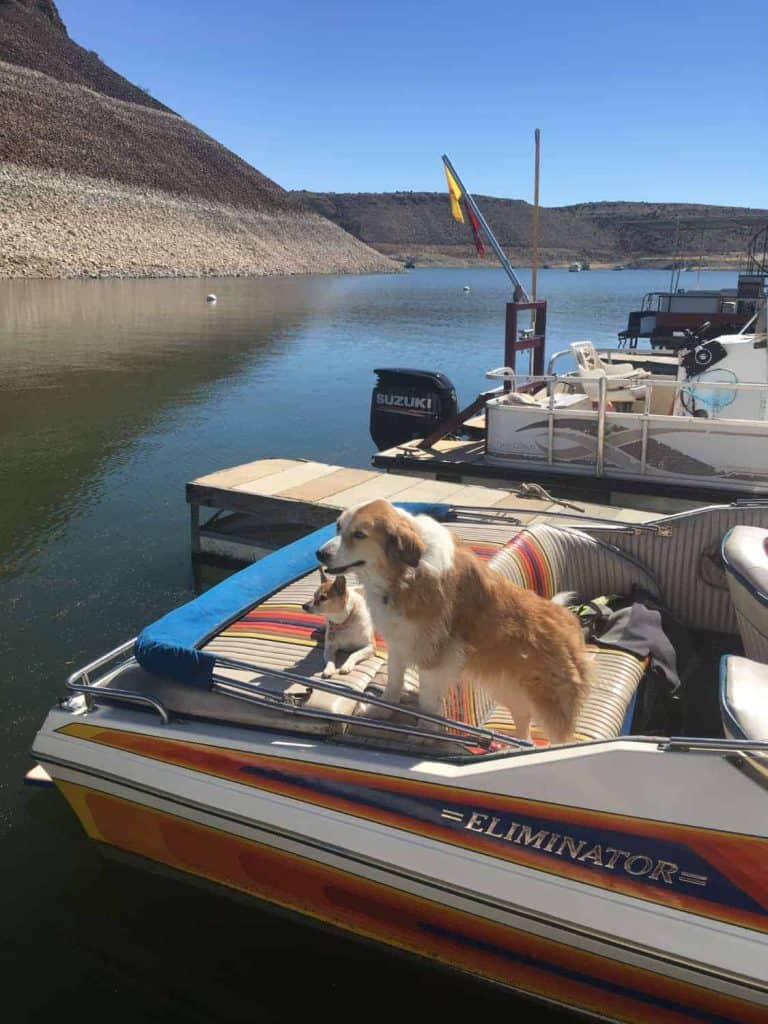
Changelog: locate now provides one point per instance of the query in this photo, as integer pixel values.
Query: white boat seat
(589, 359)
(627, 386)
(745, 556)
(744, 698)
(616, 391)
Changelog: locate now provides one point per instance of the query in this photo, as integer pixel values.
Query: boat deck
(273, 501)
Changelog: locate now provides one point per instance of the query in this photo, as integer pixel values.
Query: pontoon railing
(647, 383)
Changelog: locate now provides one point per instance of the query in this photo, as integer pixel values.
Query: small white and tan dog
(348, 625)
(441, 609)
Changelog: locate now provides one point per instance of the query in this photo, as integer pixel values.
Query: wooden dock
(463, 462)
(261, 505)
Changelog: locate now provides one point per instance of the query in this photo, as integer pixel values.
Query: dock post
(533, 340)
(194, 522)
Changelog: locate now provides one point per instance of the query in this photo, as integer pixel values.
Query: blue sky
(652, 101)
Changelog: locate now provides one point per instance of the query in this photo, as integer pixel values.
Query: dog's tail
(566, 598)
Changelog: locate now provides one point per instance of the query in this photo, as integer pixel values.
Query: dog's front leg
(395, 678)
(433, 685)
(396, 666)
(329, 653)
(355, 657)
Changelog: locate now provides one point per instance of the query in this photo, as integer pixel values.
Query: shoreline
(55, 225)
(431, 257)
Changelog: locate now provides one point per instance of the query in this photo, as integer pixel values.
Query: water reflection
(86, 367)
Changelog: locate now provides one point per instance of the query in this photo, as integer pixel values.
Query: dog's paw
(345, 670)
(328, 671)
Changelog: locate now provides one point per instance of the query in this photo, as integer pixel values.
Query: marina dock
(260, 505)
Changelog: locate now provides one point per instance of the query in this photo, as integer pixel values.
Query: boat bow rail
(98, 691)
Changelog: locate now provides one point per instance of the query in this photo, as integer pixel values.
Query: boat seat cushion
(549, 560)
(174, 645)
(190, 701)
(279, 633)
(745, 556)
(744, 698)
(607, 711)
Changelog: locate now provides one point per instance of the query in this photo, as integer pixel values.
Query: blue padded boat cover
(171, 646)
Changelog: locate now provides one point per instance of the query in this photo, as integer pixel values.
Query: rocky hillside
(33, 35)
(419, 224)
(85, 156)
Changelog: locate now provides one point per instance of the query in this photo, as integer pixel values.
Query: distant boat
(574, 268)
(410, 263)
(585, 266)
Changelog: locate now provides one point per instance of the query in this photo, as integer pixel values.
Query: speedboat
(622, 875)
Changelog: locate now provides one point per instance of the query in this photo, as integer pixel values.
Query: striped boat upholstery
(615, 678)
(548, 559)
(684, 556)
(279, 634)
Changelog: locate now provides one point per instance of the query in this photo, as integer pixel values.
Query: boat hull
(384, 910)
(341, 838)
(688, 453)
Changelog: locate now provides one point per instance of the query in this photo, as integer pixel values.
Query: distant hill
(99, 178)
(413, 223)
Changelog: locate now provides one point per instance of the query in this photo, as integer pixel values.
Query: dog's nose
(307, 607)
(319, 555)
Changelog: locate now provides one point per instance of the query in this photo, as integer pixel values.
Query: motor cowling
(406, 404)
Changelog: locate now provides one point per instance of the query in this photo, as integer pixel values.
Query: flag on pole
(455, 195)
(475, 229)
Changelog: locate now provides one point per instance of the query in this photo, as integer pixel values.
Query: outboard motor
(409, 403)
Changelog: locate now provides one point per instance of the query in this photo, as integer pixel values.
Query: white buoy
(210, 298)
(466, 287)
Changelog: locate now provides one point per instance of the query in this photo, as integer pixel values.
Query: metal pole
(489, 234)
(535, 253)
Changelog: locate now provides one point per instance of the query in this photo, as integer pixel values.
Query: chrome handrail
(341, 690)
(80, 682)
(242, 692)
(682, 743)
(679, 744)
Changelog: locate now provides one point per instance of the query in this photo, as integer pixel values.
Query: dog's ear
(404, 543)
(340, 585)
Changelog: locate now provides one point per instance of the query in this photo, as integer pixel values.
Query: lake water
(113, 394)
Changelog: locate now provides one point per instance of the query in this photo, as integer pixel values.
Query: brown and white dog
(440, 608)
(348, 625)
